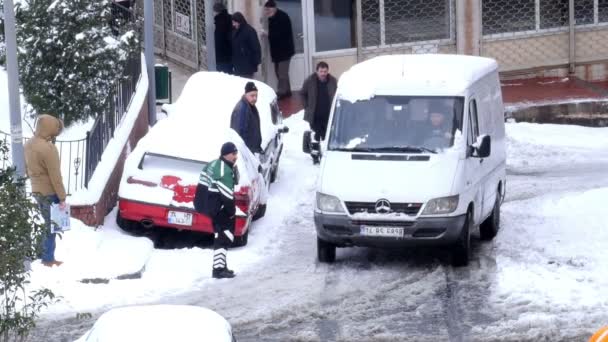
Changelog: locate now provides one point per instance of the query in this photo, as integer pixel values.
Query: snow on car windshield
(396, 123)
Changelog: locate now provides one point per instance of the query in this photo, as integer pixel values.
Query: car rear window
(163, 162)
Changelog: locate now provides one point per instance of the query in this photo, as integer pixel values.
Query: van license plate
(382, 231)
(179, 218)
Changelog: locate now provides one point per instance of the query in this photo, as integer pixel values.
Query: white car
(160, 323)
(161, 174)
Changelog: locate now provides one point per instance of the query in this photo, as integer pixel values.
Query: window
(275, 113)
(603, 10)
(473, 123)
(583, 12)
(554, 13)
(416, 20)
(335, 24)
(501, 16)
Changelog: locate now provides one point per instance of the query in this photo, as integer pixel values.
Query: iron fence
(410, 26)
(105, 125)
(72, 157)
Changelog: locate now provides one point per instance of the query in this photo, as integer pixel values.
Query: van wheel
(260, 212)
(461, 251)
(240, 241)
(489, 228)
(326, 252)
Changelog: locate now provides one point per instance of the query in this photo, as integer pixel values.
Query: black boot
(220, 273)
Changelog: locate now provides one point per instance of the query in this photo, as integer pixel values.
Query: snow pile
(533, 146)
(551, 261)
(87, 253)
(160, 323)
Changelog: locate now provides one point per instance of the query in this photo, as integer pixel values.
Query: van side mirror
(307, 142)
(483, 148)
(284, 130)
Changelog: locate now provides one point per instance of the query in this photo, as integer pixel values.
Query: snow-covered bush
(20, 236)
(70, 57)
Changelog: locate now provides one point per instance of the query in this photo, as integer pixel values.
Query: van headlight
(443, 205)
(330, 204)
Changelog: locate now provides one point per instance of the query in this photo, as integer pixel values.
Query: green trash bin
(162, 77)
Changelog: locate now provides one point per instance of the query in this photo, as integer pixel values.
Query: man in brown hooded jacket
(44, 170)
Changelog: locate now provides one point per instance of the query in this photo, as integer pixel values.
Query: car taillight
(132, 180)
(241, 199)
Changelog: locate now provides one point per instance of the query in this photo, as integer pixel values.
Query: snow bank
(532, 147)
(105, 253)
(551, 260)
(436, 74)
(160, 323)
(114, 149)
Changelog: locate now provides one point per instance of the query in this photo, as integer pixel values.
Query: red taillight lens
(242, 199)
(132, 180)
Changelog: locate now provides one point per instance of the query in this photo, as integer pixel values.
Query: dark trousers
(225, 68)
(281, 69)
(224, 236)
(48, 246)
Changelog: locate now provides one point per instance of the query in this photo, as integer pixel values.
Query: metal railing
(105, 125)
(72, 157)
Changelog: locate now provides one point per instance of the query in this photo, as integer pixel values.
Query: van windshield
(396, 124)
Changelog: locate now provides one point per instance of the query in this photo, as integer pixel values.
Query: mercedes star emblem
(383, 206)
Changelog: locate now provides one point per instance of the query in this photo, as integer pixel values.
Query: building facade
(526, 37)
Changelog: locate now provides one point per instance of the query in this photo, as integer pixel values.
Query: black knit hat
(249, 87)
(270, 4)
(228, 148)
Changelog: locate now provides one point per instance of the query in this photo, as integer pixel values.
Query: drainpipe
(150, 60)
(572, 56)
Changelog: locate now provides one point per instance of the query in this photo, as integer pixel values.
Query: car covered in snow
(161, 174)
(160, 323)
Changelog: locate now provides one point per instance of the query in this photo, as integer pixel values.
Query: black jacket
(246, 50)
(223, 37)
(309, 95)
(245, 121)
(280, 37)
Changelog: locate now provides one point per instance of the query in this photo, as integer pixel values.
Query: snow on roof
(425, 74)
(160, 323)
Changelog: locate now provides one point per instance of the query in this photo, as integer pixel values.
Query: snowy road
(539, 280)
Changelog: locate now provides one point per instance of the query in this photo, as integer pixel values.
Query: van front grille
(410, 209)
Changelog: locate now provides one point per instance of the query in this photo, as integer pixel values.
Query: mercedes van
(415, 155)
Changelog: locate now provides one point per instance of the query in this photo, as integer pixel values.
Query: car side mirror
(307, 142)
(482, 148)
(166, 109)
(284, 130)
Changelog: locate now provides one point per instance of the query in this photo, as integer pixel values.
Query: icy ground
(542, 279)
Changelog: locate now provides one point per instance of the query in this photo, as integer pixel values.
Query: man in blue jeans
(44, 170)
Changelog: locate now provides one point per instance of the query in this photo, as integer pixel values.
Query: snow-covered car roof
(422, 75)
(212, 96)
(159, 323)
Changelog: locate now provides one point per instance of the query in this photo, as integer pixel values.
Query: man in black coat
(282, 48)
(223, 37)
(245, 119)
(246, 50)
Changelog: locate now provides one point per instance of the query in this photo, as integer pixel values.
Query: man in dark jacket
(223, 37)
(246, 50)
(317, 95)
(245, 119)
(215, 198)
(282, 48)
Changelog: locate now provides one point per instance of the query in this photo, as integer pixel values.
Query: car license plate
(180, 218)
(382, 231)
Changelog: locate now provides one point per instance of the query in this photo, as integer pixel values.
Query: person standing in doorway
(245, 119)
(317, 94)
(282, 48)
(246, 50)
(44, 170)
(215, 198)
(223, 37)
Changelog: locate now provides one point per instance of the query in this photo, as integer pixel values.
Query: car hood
(401, 180)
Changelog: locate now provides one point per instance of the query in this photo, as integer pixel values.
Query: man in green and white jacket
(215, 198)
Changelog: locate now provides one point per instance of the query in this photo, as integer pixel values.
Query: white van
(415, 155)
